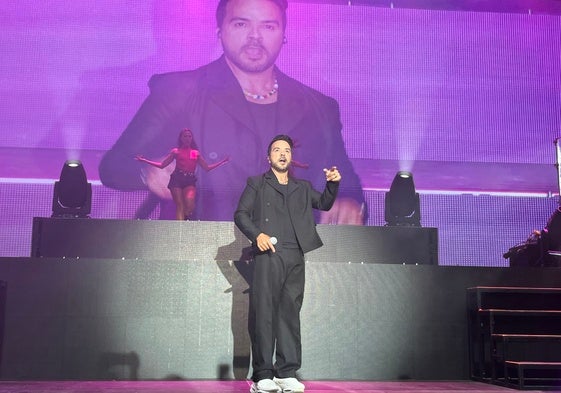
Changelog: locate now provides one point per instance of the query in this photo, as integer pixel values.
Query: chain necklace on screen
(262, 96)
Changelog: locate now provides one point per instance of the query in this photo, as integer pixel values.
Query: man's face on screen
(252, 34)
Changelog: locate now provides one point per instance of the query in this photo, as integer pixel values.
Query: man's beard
(238, 59)
(279, 169)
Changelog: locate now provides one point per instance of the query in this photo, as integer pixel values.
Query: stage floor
(243, 387)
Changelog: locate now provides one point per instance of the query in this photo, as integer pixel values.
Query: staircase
(515, 336)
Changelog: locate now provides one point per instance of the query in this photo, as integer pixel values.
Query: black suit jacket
(210, 101)
(262, 205)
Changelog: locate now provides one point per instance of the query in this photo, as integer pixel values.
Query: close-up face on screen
(467, 101)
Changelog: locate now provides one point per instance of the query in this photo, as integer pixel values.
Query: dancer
(183, 178)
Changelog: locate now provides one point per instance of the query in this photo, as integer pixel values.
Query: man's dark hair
(221, 11)
(280, 137)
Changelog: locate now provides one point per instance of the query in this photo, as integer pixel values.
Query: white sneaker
(289, 385)
(265, 386)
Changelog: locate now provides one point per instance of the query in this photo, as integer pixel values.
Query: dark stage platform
(214, 240)
(105, 319)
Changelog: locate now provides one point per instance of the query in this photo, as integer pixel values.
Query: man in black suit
(234, 106)
(275, 213)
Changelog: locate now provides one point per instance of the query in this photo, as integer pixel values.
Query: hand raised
(332, 174)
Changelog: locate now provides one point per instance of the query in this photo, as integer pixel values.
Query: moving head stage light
(402, 202)
(72, 197)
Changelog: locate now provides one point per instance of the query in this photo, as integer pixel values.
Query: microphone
(273, 240)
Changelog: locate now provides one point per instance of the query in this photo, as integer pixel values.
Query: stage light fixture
(402, 206)
(72, 196)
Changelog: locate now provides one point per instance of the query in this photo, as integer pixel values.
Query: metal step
(481, 298)
(522, 347)
(532, 375)
(515, 324)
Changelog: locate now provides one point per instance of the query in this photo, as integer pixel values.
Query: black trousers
(276, 299)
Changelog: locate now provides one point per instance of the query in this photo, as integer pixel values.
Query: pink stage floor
(243, 387)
